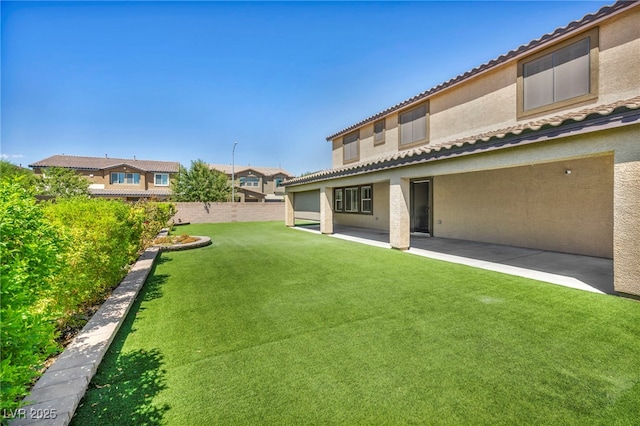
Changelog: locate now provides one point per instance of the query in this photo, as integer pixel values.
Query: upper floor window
(350, 146)
(413, 126)
(378, 132)
(278, 182)
(560, 76)
(120, 178)
(249, 181)
(161, 179)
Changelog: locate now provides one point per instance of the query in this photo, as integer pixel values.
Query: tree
(200, 183)
(64, 183)
(20, 175)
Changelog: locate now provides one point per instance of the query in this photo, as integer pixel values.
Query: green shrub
(155, 217)
(30, 253)
(103, 237)
(58, 259)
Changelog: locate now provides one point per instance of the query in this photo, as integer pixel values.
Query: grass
(274, 326)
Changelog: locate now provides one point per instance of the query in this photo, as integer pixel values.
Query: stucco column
(399, 217)
(626, 227)
(289, 216)
(326, 210)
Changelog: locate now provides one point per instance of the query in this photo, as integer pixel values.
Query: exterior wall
(266, 184)
(380, 217)
(626, 257)
(102, 178)
(620, 53)
(229, 212)
(261, 183)
(526, 189)
(488, 101)
(367, 147)
(536, 206)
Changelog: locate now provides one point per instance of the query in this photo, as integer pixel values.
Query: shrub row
(58, 259)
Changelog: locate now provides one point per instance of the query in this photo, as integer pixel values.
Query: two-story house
(129, 179)
(537, 148)
(256, 184)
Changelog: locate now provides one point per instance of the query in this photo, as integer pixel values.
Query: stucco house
(537, 148)
(129, 179)
(256, 184)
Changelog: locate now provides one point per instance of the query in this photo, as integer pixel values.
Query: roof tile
(557, 33)
(100, 163)
(532, 126)
(266, 171)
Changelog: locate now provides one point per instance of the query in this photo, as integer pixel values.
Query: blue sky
(181, 81)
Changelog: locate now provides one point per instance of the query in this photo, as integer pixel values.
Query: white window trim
(349, 199)
(253, 182)
(155, 177)
(363, 199)
(345, 198)
(111, 182)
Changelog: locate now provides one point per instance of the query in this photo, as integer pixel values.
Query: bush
(155, 217)
(30, 253)
(103, 238)
(58, 259)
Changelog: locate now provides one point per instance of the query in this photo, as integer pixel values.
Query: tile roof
(251, 192)
(100, 163)
(558, 33)
(478, 142)
(265, 171)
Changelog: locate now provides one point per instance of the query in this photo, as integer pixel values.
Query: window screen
(413, 125)
(558, 76)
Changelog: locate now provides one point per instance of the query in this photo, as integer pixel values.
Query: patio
(571, 270)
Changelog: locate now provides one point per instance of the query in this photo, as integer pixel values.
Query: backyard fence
(199, 212)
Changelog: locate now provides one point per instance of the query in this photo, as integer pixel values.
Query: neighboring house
(256, 184)
(538, 148)
(129, 179)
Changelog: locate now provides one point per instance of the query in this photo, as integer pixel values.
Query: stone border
(202, 242)
(56, 395)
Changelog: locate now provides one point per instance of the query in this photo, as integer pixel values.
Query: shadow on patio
(571, 270)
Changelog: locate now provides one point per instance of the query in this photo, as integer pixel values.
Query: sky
(181, 81)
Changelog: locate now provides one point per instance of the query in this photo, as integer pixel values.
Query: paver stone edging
(202, 242)
(56, 395)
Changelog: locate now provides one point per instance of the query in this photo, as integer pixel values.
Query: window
(278, 182)
(161, 179)
(350, 146)
(249, 181)
(338, 204)
(351, 200)
(413, 126)
(365, 199)
(378, 132)
(119, 178)
(556, 78)
(354, 199)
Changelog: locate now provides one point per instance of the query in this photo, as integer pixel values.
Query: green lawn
(276, 326)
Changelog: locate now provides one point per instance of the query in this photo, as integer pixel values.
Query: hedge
(58, 259)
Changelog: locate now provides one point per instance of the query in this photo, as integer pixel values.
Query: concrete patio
(586, 273)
